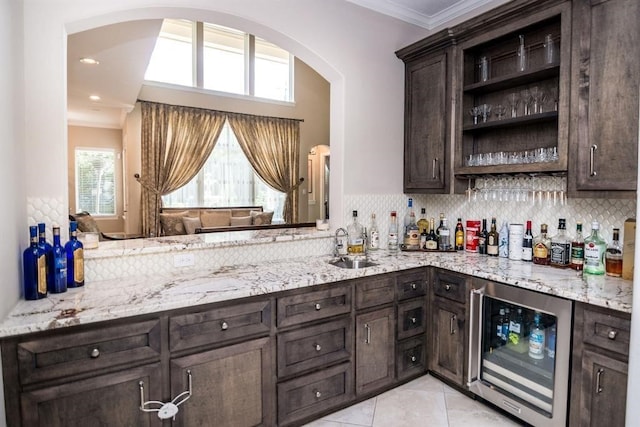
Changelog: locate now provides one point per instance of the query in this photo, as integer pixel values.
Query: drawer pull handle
(95, 353)
(414, 286)
(413, 320)
(317, 306)
(451, 325)
(318, 347)
(224, 325)
(169, 409)
(317, 394)
(612, 334)
(592, 155)
(598, 379)
(413, 359)
(447, 287)
(367, 328)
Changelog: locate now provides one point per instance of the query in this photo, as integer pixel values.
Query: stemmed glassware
(538, 97)
(513, 101)
(475, 113)
(485, 112)
(526, 98)
(500, 110)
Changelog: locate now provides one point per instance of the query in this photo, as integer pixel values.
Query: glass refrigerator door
(518, 353)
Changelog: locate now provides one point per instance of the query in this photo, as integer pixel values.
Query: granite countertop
(113, 299)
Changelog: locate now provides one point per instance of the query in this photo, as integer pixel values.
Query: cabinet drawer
(607, 330)
(219, 325)
(314, 305)
(71, 353)
(314, 347)
(412, 318)
(451, 287)
(374, 291)
(314, 393)
(411, 357)
(411, 285)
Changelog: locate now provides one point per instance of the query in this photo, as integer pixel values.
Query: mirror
(112, 122)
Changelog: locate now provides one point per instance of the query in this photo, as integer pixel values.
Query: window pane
(272, 72)
(223, 59)
(95, 181)
(172, 57)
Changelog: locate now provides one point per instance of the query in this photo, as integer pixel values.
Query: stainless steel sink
(352, 263)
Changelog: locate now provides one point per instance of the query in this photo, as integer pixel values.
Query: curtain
(176, 142)
(272, 146)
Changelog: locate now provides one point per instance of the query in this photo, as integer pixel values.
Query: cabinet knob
(413, 359)
(318, 347)
(612, 334)
(413, 320)
(224, 325)
(95, 353)
(317, 306)
(317, 394)
(447, 287)
(414, 286)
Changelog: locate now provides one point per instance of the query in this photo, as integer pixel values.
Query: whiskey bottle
(459, 245)
(576, 261)
(482, 238)
(594, 251)
(561, 246)
(432, 241)
(613, 257)
(444, 239)
(541, 247)
(355, 242)
(527, 244)
(492, 239)
(423, 222)
(413, 233)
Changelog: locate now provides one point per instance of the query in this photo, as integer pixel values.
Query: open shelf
(511, 122)
(513, 79)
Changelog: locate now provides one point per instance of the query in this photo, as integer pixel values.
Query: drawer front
(411, 357)
(72, 353)
(311, 394)
(450, 287)
(412, 318)
(411, 285)
(374, 291)
(314, 305)
(609, 331)
(313, 347)
(219, 325)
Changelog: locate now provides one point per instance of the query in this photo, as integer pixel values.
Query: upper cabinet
(604, 98)
(428, 93)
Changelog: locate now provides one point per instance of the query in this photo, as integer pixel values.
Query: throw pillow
(172, 223)
(261, 218)
(216, 218)
(191, 223)
(241, 220)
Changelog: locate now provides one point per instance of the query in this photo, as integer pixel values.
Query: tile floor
(425, 401)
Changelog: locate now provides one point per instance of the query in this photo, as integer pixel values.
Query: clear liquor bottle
(374, 234)
(75, 258)
(537, 338)
(594, 251)
(613, 257)
(577, 249)
(444, 239)
(407, 221)
(355, 242)
(59, 284)
(392, 235)
(542, 247)
(561, 246)
(34, 267)
(413, 233)
(492, 239)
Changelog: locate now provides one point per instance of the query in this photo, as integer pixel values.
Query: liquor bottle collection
(591, 254)
(52, 268)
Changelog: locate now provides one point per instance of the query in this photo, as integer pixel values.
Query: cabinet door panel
(107, 400)
(604, 391)
(232, 386)
(448, 342)
(374, 350)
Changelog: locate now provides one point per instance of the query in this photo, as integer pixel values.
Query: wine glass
(538, 98)
(500, 110)
(526, 98)
(475, 113)
(513, 101)
(485, 112)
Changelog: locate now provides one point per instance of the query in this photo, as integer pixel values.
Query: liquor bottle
(75, 258)
(439, 225)
(503, 240)
(392, 236)
(499, 322)
(541, 247)
(355, 242)
(516, 330)
(407, 220)
(613, 257)
(492, 239)
(444, 239)
(48, 252)
(482, 238)
(537, 338)
(505, 326)
(459, 236)
(413, 233)
(34, 265)
(432, 240)
(576, 261)
(551, 342)
(561, 246)
(424, 235)
(374, 234)
(527, 244)
(423, 222)
(59, 264)
(594, 250)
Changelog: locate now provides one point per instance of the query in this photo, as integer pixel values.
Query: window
(227, 179)
(95, 181)
(232, 61)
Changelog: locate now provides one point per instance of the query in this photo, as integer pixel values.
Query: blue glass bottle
(75, 258)
(47, 249)
(59, 264)
(34, 264)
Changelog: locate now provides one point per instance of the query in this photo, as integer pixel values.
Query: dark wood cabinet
(604, 98)
(375, 350)
(600, 364)
(427, 138)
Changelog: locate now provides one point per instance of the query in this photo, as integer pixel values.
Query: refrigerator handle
(475, 334)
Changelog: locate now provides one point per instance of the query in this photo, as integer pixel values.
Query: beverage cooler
(519, 352)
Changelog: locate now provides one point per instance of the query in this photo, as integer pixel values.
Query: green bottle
(594, 251)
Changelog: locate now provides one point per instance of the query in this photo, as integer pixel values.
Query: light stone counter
(117, 298)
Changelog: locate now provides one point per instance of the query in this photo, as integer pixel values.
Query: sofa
(178, 221)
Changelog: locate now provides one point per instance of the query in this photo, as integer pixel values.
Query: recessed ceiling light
(89, 61)
(94, 97)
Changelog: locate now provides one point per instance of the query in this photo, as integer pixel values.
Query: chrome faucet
(338, 244)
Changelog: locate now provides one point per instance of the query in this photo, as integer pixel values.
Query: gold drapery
(176, 142)
(272, 146)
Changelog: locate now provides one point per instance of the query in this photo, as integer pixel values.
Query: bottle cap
(355, 213)
(595, 225)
